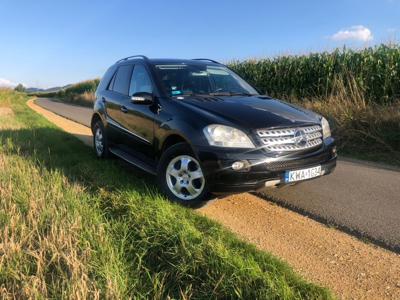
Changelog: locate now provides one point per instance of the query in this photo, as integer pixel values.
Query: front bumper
(262, 167)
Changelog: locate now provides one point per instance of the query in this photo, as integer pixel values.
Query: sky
(51, 43)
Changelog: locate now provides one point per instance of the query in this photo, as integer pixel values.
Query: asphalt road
(75, 113)
(358, 197)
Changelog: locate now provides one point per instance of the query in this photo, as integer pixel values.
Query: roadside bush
(81, 93)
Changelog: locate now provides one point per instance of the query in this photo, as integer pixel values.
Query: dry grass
(362, 128)
(47, 236)
(40, 246)
(85, 99)
(81, 93)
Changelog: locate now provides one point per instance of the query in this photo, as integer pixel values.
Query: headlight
(326, 130)
(225, 136)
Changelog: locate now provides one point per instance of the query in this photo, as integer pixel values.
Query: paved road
(357, 196)
(360, 198)
(75, 113)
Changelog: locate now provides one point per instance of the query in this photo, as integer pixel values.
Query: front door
(139, 118)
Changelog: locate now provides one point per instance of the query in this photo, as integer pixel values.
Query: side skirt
(135, 161)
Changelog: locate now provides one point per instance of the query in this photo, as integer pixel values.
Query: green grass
(73, 226)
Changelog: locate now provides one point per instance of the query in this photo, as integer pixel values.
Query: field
(358, 91)
(72, 226)
(375, 71)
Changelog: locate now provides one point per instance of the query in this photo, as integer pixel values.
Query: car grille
(298, 163)
(291, 139)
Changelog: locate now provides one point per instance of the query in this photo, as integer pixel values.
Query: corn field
(376, 71)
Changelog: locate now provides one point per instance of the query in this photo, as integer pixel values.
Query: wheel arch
(96, 117)
(171, 140)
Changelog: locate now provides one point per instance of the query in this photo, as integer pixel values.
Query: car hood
(253, 111)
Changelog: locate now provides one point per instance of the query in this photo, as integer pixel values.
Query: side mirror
(142, 98)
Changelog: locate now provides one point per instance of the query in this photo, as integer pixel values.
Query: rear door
(115, 99)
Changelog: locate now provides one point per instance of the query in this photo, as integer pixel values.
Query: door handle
(124, 109)
(103, 99)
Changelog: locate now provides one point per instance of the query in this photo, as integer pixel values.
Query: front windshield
(201, 79)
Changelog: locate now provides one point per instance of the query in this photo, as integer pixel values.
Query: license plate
(303, 174)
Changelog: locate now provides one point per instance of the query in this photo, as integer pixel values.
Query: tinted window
(201, 79)
(111, 84)
(122, 79)
(105, 81)
(141, 81)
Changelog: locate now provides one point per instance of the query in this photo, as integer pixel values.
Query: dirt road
(350, 267)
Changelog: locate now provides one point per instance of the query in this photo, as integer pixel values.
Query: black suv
(202, 129)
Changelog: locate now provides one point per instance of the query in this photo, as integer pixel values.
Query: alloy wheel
(184, 177)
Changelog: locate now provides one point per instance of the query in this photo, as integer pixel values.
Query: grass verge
(72, 226)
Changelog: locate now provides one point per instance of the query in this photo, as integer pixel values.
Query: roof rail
(133, 56)
(207, 59)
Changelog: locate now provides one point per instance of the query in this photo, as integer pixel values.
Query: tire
(100, 141)
(181, 178)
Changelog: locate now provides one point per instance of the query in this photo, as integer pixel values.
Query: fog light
(334, 151)
(238, 165)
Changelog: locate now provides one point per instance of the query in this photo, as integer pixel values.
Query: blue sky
(50, 43)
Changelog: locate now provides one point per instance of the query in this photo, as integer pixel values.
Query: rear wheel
(180, 176)
(100, 142)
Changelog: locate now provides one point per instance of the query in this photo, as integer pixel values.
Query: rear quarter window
(105, 80)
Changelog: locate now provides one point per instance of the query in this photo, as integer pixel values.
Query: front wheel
(180, 176)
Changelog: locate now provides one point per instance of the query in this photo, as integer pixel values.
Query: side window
(140, 81)
(122, 79)
(111, 84)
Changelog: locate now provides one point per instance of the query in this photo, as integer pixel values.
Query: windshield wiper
(230, 94)
(221, 94)
(243, 94)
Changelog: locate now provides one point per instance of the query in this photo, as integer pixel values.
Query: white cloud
(6, 83)
(355, 33)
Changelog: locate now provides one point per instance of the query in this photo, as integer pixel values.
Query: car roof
(156, 61)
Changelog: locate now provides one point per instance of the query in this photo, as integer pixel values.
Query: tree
(20, 88)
